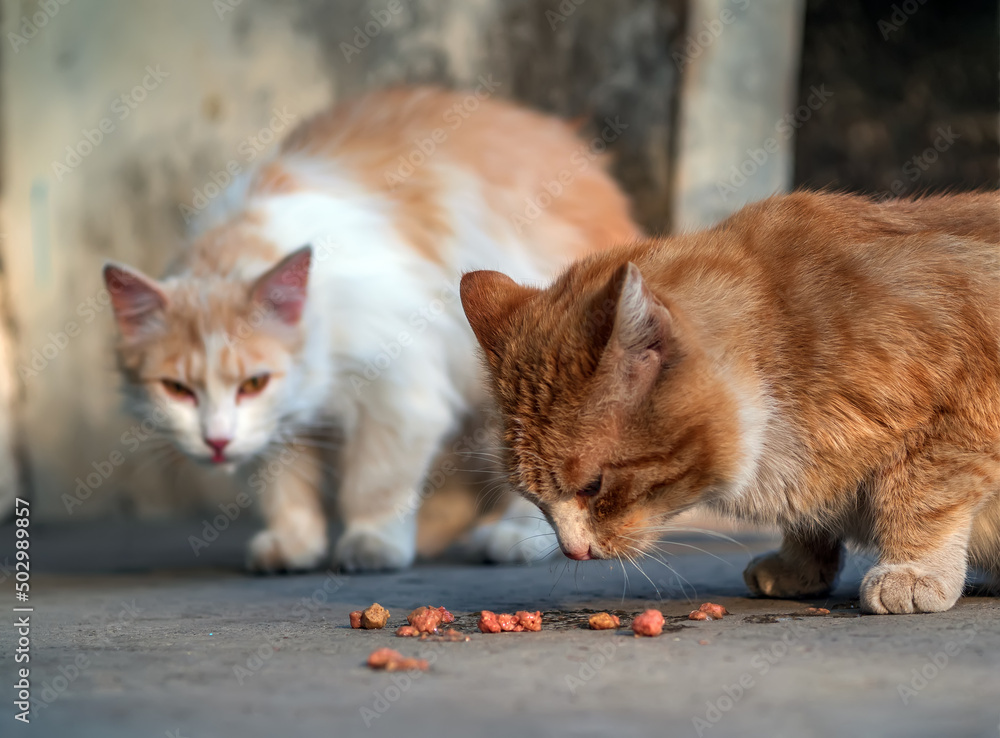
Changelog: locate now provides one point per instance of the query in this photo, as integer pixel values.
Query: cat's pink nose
(578, 554)
(218, 445)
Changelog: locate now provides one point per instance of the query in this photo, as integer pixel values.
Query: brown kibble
(356, 619)
(699, 615)
(488, 622)
(604, 621)
(407, 631)
(715, 612)
(379, 658)
(375, 617)
(529, 620)
(649, 623)
(818, 610)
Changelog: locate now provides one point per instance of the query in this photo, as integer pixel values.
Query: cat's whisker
(641, 571)
(680, 579)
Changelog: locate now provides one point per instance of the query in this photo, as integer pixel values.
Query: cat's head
(217, 357)
(614, 420)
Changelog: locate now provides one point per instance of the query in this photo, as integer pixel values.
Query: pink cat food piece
(603, 621)
(356, 619)
(509, 623)
(426, 619)
(488, 622)
(529, 620)
(407, 631)
(649, 623)
(390, 660)
(379, 658)
(699, 615)
(714, 611)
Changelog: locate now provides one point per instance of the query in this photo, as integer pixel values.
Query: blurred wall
(117, 116)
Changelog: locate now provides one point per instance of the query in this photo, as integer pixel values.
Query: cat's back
(439, 155)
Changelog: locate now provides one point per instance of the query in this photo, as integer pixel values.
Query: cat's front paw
(513, 542)
(373, 549)
(272, 551)
(772, 576)
(905, 588)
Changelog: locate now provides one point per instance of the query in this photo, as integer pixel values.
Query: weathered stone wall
(117, 114)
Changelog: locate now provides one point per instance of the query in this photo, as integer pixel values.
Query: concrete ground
(132, 635)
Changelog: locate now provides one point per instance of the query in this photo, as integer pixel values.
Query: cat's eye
(177, 390)
(592, 489)
(255, 385)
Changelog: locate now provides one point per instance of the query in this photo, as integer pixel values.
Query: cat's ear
(489, 299)
(137, 301)
(283, 287)
(642, 340)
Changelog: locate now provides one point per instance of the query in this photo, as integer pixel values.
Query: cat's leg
(387, 455)
(806, 565)
(922, 510)
(521, 536)
(295, 538)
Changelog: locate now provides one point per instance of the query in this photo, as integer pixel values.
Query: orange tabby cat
(818, 361)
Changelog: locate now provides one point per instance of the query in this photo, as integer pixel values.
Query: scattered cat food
(817, 611)
(390, 660)
(491, 622)
(407, 631)
(375, 617)
(649, 623)
(356, 619)
(703, 643)
(604, 621)
(708, 611)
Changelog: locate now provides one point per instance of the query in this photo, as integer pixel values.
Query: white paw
(273, 551)
(374, 549)
(515, 542)
(904, 588)
(771, 576)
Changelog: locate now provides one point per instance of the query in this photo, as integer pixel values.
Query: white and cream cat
(323, 293)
